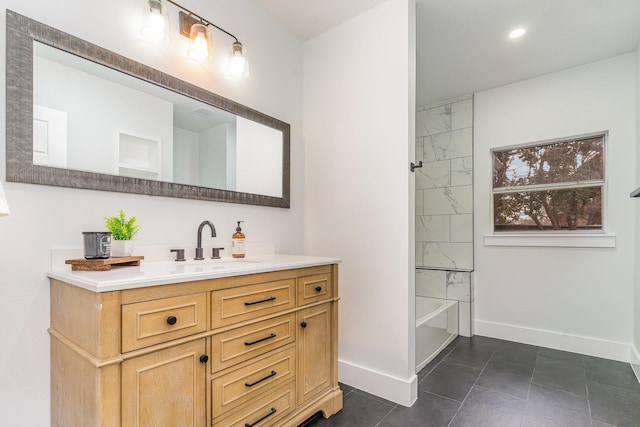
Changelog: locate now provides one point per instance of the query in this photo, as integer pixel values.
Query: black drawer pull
(318, 288)
(260, 340)
(172, 320)
(273, 411)
(260, 302)
(272, 374)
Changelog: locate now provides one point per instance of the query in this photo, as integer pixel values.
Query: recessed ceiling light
(518, 32)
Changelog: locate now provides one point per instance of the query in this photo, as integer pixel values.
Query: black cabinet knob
(172, 320)
(303, 324)
(318, 288)
(204, 358)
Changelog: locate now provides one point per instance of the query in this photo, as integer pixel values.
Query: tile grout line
(386, 416)
(471, 388)
(441, 396)
(438, 364)
(587, 386)
(529, 390)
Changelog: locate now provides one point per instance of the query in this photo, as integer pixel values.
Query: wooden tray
(102, 264)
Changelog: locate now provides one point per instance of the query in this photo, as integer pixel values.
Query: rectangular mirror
(81, 116)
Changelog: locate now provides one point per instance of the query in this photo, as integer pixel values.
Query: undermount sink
(221, 261)
(193, 266)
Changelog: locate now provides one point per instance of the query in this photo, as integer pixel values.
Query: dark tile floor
(488, 382)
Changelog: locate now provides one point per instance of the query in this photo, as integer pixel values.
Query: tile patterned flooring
(488, 382)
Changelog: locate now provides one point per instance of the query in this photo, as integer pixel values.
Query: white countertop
(166, 272)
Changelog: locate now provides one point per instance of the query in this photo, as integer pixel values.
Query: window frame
(551, 238)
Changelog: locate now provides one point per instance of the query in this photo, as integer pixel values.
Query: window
(551, 186)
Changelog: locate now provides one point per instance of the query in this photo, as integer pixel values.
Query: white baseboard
(635, 361)
(397, 390)
(577, 344)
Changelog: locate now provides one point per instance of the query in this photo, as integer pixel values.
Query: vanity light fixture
(200, 42)
(517, 33)
(238, 64)
(4, 206)
(155, 22)
(198, 30)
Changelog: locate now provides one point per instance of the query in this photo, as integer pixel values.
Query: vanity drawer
(153, 322)
(314, 288)
(235, 305)
(240, 344)
(238, 387)
(266, 410)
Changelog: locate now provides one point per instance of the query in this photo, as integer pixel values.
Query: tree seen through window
(550, 186)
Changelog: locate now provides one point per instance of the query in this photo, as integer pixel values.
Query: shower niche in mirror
(97, 120)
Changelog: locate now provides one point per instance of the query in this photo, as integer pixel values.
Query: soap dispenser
(237, 243)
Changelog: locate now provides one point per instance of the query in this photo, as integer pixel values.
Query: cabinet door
(314, 351)
(165, 388)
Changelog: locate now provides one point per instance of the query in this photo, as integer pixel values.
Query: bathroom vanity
(221, 343)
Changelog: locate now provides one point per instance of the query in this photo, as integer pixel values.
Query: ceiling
(462, 45)
(308, 18)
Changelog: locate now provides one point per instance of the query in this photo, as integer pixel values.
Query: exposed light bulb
(155, 27)
(199, 48)
(238, 64)
(517, 33)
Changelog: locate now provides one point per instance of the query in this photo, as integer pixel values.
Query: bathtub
(436, 327)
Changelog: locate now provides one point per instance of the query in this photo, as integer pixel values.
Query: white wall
(185, 156)
(576, 299)
(635, 351)
(258, 158)
(212, 156)
(121, 109)
(359, 135)
(44, 217)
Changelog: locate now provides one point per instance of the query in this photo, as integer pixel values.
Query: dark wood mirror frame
(21, 33)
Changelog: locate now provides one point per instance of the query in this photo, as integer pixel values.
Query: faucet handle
(179, 254)
(216, 253)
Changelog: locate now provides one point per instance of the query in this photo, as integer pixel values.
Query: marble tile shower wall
(444, 205)
(444, 186)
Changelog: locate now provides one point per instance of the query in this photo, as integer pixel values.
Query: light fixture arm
(201, 19)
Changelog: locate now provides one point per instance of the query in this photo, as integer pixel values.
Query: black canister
(97, 244)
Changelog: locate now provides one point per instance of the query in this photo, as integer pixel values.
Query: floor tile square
(487, 408)
(450, 380)
(611, 372)
(428, 411)
(506, 377)
(470, 354)
(436, 360)
(523, 354)
(359, 410)
(565, 356)
(346, 389)
(494, 343)
(553, 417)
(560, 374)
(541, 397)
(614, 405)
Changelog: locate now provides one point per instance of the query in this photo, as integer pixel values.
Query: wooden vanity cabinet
(166, 387)
(314, 352)
(257, 350)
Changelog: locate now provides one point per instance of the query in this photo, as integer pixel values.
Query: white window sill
(562, 240)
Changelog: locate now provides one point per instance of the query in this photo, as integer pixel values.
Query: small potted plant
(122, 232)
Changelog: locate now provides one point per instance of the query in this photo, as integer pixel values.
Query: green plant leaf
(120, 227)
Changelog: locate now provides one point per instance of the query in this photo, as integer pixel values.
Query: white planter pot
(121, 248)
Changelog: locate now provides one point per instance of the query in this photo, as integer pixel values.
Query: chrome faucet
(199, 250)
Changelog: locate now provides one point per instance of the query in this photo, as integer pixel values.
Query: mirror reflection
(89, 117)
